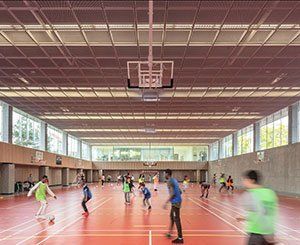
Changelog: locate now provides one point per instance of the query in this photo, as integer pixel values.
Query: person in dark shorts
(87, 195)
(204, 189)
(222, 182)
(175, 200)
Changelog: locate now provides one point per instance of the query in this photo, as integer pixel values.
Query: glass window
(145, 153)
(245, 140)
(214, 151)
(226, 146)
(73, 146)
(85, 151)
(26, 130)
(274, 130)
(54, 140)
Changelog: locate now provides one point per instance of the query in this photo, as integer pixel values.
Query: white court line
(221, 204)
(27, 227)
(284, 233)
(50, 226)
(150, 237)
(144, 230)
(66, 226)
(224, 220)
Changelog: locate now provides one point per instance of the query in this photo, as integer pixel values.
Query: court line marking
(221, 204)
(36, 223)
(74, 221)
(218, 216)
(145, 230)
(49, 227)
(150, 237)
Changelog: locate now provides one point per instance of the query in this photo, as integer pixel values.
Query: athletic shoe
(168, 235)
(201, 196)
(178, 240)
(149, 207)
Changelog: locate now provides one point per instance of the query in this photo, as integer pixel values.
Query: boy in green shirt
(41, 189)
(261, 206)
(126, 190)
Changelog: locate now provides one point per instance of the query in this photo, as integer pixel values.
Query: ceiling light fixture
(280, 77)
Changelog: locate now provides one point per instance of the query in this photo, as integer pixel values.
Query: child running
(41, 189)
(204, 189)
(186, 182)
(222, 182)
(87, 195)
(155, 181)
(215, 180)
(229, 184)
(147, 196)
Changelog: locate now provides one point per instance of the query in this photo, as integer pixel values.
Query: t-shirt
(205, 185)
(41, 192)
(174, 186)
(86, 192)
(126, 187)
(147, 193)
(261, 208)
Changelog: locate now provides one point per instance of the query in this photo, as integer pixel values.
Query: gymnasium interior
(92, 91)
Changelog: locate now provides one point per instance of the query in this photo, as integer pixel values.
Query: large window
(245, 140)
(85, 151)
(214, 151)
(226, 146)
(146, 153)
(274, 130)
(54, 140)
(26, 130)
(73, 146)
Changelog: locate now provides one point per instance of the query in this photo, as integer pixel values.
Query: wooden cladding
(22, 155)
(160, 166)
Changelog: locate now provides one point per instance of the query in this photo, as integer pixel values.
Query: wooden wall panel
(10, 153)
(55, 176)
(22, 172)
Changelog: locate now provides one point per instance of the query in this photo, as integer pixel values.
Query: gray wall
(281, 170)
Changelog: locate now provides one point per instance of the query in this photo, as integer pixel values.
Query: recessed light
(280, 77)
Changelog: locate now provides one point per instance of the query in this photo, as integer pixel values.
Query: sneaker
(149, 207)
(178, 240)
(201, 196)
(168, 235)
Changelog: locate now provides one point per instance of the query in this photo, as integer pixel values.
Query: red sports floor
(210, 221)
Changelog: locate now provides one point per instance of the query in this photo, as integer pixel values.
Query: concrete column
(256, 138)
(43, 136)
(65, 143)
(44, 170)
(65, 176)
(7, 123)
(96, 175)
(234, 144)
(7, 181)
(9, 126)
(293, 123)
(89, 175)
(198, 176)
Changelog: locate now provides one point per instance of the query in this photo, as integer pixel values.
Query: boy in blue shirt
(87, 195)
(175, 200)
(147, 195)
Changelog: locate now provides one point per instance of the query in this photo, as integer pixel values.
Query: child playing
(126, 190)
(222, 182)
(87, 195)
(156, 181)
(229, 184)
(204, 189)
(147, 196)
(186, 182)
(41, 189)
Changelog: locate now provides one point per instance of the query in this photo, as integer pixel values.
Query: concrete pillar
(234, 144)
(96, 175)
(198, 176)
(44, 143)
(89, 175)
(256, 138)
(65, 143)
(7, 181)
(65, 176)
(44, 170)
(9, 125)
(293, 123)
